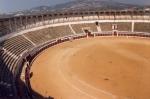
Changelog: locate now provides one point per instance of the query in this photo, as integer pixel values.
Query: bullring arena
(97, 68)
(76, 55)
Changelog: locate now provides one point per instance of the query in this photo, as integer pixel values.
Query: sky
(17, 5)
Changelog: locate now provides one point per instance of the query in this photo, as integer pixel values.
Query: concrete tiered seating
(142, 27)
(10, 50)
(6, 90)
(39, 36)
(13, 48)
(60, 31)
(17, 45)
(3, 31)
(43, 35)
(4, 28)
(124, 26)
(78, 28)
(106, 26)
(120, 26)
(6, 81)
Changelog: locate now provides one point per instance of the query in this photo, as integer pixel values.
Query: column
(132, 28)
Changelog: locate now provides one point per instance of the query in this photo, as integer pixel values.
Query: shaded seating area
(106, 26)
(79, 28)
(142, 27)
(39, 36)
(44, 35)
(121, 26)
(10, 51)
(6, 77)
(124, 26)
(60, 31)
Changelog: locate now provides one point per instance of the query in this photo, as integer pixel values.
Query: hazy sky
(16, 5)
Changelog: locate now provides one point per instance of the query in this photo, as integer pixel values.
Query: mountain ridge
(88, 4)
(80, 5)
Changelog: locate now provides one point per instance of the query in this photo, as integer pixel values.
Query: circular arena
(94, 68)
(76, 55)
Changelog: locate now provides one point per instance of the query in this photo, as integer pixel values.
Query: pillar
(132, 27)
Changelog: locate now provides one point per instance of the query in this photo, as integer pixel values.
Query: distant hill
(88, 5)
(78, 5)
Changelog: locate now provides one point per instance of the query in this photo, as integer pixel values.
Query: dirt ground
(94, 68)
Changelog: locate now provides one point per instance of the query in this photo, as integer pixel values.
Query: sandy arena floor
(94, 68)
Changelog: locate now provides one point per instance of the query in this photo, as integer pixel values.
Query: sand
(94, 68)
